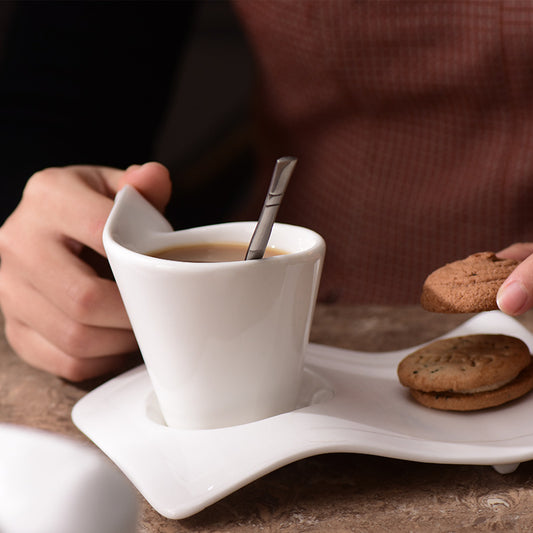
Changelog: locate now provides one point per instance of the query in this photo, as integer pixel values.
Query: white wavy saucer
(352, 402)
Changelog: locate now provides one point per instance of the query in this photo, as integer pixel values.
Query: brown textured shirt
(413, 124)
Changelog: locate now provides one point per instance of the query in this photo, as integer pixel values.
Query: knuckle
(4, 292)
(66, 366)
(11, 333)
(4, 239)
(40, 183)
(74, 340)
(84, 298)
(75, 370)
(79, 369)
(8, 240)
(94, 227)
(14, 333)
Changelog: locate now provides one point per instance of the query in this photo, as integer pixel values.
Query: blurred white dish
(181, 472)
(51, 484)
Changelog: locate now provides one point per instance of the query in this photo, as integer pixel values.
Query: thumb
(152, 180)
(515, 296)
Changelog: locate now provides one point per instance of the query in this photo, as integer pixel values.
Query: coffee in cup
(212, 252)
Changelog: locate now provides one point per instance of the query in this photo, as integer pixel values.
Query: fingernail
(512, 298)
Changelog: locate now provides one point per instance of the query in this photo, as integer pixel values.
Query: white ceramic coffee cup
(224, 342)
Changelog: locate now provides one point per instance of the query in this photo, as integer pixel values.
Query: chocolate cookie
(468, 372)
(466, 286)
(450, 401)
(464, 364)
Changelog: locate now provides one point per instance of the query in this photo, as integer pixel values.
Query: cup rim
(135, 228)
(162, 240)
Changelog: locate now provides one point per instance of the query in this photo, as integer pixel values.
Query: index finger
(77, 200)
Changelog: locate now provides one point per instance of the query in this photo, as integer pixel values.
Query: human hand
(516, 293)
(60, 315)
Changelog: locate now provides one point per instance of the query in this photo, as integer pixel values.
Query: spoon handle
(278, 184)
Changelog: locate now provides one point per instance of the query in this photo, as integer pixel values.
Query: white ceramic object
(354, 403)
(223, 342)
(51, 484)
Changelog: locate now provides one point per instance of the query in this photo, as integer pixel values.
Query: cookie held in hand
(467, 286)
(468, 373)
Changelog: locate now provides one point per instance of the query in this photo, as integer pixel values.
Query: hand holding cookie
(483, 282)
(475, 371)
(467, 286)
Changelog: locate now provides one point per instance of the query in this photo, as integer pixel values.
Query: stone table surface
(335, 492)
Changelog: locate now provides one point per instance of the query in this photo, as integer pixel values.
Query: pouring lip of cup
(134, 228)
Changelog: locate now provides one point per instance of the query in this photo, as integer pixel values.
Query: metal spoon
(278, 184)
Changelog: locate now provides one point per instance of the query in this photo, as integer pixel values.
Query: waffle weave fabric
(413, 124)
